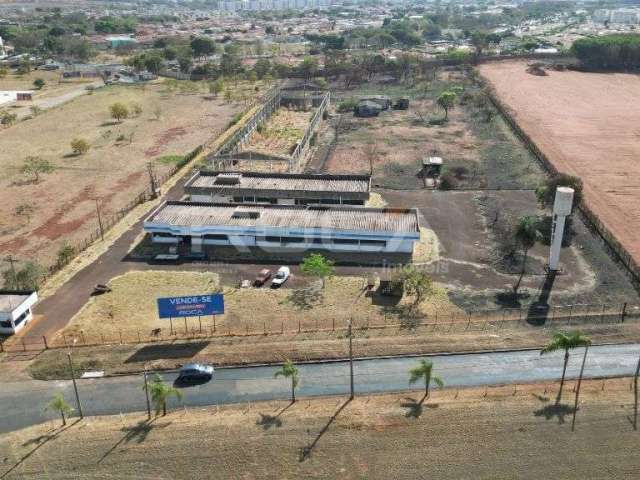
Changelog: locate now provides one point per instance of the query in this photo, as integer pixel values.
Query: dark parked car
(263, 276)
(195, 371)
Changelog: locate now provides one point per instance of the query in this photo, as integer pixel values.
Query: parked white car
(281, 276)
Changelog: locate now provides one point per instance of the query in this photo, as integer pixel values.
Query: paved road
(23, 402)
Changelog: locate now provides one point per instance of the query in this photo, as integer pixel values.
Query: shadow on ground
(157, 352)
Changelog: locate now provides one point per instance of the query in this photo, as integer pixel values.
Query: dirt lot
(499, 433)
(131, 306)
(395, 143)
(36, 218)
(586, 124)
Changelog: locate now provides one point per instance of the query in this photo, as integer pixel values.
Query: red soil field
(587, 124)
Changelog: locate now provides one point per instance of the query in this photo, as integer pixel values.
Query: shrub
(65, 254)
(119, 111)
(447, 182)
(347, 105)
(80, 146)
(136, 108)
(39, 83)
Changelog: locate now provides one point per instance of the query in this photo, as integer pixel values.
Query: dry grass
(114, 170)
(498, 433)
(132, 304)
(281, 132)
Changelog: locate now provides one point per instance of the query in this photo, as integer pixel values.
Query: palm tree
(289, 370)
(565, 341)
(526, 234)
(160, 393)
(424, 370)
(58, 404)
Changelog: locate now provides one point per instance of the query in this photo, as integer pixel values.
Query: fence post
(200, 323)
(46, 345)
(298, 325)
(604, 306)
(624, 312)
(264, 327)
(24, 347)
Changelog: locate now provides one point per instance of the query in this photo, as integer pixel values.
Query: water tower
(561, 208)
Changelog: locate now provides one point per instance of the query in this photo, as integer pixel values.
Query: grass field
(498, 433)
(131, 306)
(37, 218)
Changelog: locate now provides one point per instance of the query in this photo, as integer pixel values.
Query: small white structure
(562, 207)
(10, 96)
(15, 310)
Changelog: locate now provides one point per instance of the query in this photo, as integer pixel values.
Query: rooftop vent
(246, 214)
(228, 178)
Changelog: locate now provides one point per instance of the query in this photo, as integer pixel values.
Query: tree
(546, 193)
(424, 370)
(289, 370)
(28, 277)
(160, 392)
(203, 46)
(119, 111)
(136, 109)
(526, 234)
(446, 100)
(216, 87)
(39, 83)
(36, 166)
(309, 67)
(58, 404)
(8, 118)
(65, 254)
(479, 41)
(262, 67)
(417, 283)
(565, 341)
(80, 146)
(317, 265)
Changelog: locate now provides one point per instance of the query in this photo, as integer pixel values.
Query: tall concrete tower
(561, 208)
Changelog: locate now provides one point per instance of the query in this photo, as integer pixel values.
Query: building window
(6, 324)
(292, 239)
(215, 237)
(344, 241)
(21, 318)
(374, 243)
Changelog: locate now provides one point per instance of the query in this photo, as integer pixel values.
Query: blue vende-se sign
(191, 306)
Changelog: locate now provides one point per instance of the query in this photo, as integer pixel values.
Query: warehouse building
(278, 188)
(284, 227)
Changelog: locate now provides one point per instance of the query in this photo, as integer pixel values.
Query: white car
(281, 276)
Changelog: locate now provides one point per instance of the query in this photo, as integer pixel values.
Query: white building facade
(15, 310)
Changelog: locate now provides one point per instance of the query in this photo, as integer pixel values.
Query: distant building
(282, 227)
(278, 188)
(15, 310)
(601, 15)
(119, 41)
(10, 96)
(624, 16)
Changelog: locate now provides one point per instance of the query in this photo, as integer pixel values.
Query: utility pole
(99, 220)
(351, 358)
(146, 391)
(575, 405)
(152, 180)
(635, 393)
(75, 387)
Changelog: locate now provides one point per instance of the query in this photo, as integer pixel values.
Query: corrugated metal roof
(284, 182)
(193, 214)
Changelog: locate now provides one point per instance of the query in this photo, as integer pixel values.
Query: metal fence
(553, 317)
